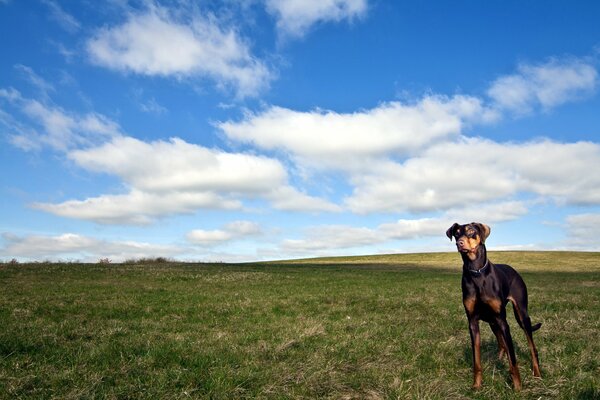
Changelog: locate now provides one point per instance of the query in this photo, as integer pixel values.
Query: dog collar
(480, 271)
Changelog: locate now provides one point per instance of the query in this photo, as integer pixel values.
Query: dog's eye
(471, 233)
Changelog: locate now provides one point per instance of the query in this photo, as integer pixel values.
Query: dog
(486, 289)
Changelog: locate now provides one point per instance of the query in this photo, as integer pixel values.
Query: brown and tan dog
(487, 288)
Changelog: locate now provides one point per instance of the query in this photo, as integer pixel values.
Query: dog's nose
(461, 243)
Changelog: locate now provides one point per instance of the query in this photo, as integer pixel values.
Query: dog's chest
(481, 297)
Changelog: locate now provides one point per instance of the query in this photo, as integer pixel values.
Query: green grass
(364, 327)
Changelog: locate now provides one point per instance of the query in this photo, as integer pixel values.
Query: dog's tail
(536, 327)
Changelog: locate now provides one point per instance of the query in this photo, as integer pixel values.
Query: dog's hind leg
(522, 317)
(501, 349)
(504, 333)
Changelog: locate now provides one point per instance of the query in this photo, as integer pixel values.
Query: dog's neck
(475, 261)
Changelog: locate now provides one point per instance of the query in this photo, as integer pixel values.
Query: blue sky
(270, 129)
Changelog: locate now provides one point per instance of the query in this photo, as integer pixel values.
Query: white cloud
(60, 129)
(343, 141)
(138, 207)
(155, 43)
(475, 170)
(71, 246)
(296, 17)
(583, 231)
(163, 166)
(233, 231)
(547, 85)
(176, 177)
(405, 229)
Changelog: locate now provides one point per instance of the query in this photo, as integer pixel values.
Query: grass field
(342, 328)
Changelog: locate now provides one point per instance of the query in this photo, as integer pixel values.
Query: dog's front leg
(476, 348)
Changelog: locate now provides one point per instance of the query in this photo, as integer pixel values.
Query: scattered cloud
(416, 157)
(398, 157)
(233, 231)
(36, 80)
(71, 246)
(160, 178)
(69, 54)
(64, 19)
(151, 106)
(154, 42)
(54, 127)
(544, 85)
(296, 17)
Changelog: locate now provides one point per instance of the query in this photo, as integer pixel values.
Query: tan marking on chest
(494, 304)
(469, 304)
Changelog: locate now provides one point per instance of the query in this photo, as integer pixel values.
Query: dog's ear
(484, 230)
(450, 231)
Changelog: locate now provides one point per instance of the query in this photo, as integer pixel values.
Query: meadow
(373, 327)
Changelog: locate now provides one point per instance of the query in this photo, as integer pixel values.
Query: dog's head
(468, 236)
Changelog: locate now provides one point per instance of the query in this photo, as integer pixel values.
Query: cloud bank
(70, 247)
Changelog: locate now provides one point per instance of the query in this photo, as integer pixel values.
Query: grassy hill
(379, 327)
(548, 261)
